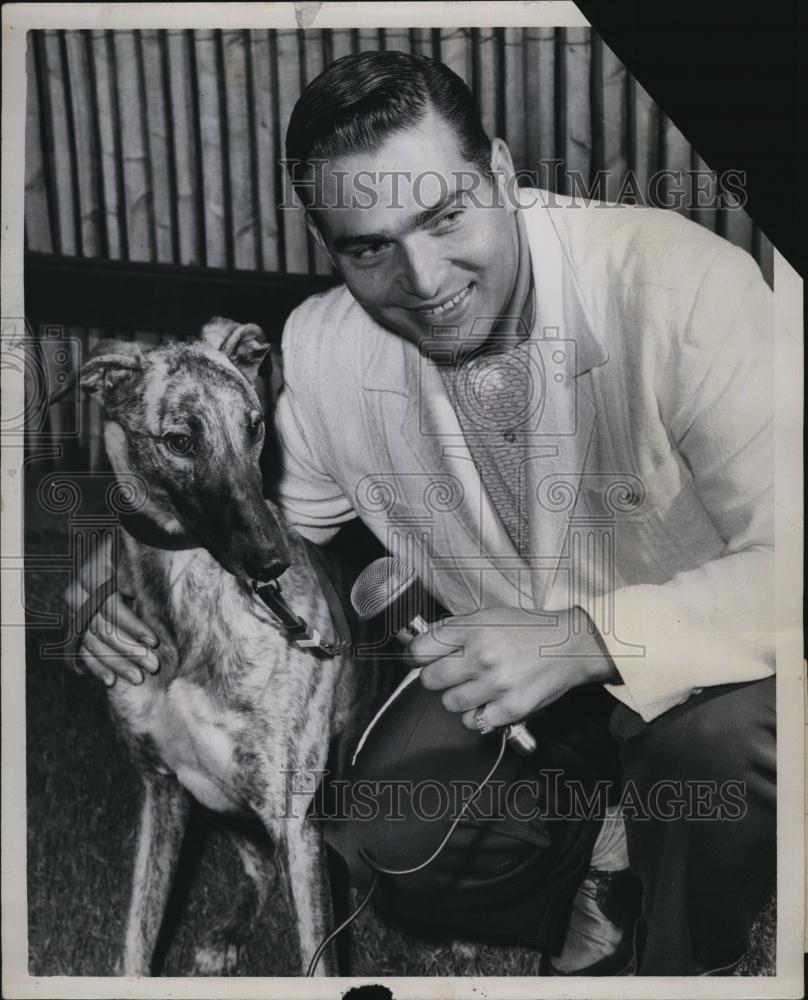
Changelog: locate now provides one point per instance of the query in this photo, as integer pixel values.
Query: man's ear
(245, 344)
(503, 170)
(111, 364)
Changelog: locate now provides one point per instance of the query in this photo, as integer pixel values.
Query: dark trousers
(697, 790)
(708, 872)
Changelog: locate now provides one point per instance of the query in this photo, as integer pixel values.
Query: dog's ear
(111, 364)
(244, 343)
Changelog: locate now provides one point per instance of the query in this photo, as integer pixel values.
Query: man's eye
(370, 252)
(449, 219)
(180, 444)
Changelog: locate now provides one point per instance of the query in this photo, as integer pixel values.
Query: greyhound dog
(236, 710)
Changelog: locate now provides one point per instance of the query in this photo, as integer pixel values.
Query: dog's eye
(180, 444)
(256, 425)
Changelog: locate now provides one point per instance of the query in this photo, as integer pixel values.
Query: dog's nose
(272, 569)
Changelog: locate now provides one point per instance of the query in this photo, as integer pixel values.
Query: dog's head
(186, 418)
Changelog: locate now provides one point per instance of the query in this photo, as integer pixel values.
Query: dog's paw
(217, 958)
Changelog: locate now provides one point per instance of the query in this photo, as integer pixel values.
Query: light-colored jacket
(648, 449)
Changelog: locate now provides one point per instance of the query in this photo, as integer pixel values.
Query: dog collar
(297, 629)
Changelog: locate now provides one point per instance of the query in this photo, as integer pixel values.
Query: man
(587, 389)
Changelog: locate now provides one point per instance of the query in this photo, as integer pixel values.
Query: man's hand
(117, 643)
(504, 658)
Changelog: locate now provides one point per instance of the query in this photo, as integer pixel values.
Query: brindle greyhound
(235, 706)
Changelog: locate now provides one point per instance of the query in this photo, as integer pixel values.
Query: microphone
(389, 584)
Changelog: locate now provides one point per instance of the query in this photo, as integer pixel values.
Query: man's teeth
(446, 306)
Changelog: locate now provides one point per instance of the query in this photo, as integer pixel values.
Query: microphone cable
(348, 920)
(381, 869)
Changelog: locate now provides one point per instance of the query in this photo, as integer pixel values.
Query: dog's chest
(197, 740)
(234, 701)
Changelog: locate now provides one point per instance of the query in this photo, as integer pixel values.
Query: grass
(82, 808)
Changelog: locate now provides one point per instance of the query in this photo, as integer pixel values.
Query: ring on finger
(481, 722)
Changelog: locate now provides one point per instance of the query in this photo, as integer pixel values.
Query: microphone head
(380, 585)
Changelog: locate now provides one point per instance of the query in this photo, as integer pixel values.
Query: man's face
(421, 249)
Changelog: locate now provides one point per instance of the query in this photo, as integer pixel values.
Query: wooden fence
(153, 187)
(163, 146)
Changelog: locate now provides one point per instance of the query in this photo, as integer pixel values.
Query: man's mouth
(447, 306)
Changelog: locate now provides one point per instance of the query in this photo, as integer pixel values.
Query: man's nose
(423, 268)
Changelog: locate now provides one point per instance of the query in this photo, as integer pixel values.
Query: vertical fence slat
(456, 55)
(501, 80)
(266, 152)
(421, 41)
(540, 101)
(739, 228)
(282, 184)
(149, 175)
(764, 254)
(615, 139)
(578, 150)
(106, 130)
(341, 43)
(487, 93)
(368, 39)
(677, 159)
(241, 158)
(137, 186)
(645, 124)
(171, 145)
(160, 145)
(71, 127)
(37, 223)
(294, 220)
(560, 106)
(257, 198)
(515, 111)
(435, 44)
(311, 66)
(224, 142)
(530, 73)
(397, 39)
(205, 46)
(101, 191)
(182, 109)
(91, 209)
(61, 174)
(596, 112)
(703, 203)
(312, 49)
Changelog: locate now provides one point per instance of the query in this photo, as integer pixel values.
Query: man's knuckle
(450, 701)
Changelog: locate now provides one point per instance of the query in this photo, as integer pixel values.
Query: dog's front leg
(310, 893)
(163, 819)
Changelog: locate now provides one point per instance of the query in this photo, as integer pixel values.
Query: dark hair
(360, 100)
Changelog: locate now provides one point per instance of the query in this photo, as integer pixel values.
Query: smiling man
(578, 379)
(560, 415)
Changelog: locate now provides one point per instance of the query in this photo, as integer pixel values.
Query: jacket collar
(561, 308)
